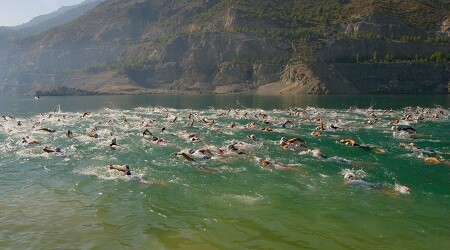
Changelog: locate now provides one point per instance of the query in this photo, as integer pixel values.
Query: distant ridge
(62, 16)
(225, 46)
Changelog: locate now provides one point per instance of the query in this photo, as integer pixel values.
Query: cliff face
(213, 46)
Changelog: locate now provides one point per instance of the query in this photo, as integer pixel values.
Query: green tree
(436, 56)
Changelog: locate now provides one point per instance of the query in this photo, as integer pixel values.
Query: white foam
(244, 199)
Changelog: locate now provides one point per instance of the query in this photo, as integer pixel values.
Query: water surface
(72, 200)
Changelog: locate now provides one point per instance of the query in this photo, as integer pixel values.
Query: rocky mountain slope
(44, 22)
(214, 46)
(63, 15)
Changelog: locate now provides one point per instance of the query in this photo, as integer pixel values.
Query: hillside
(62, 16)
(8, 35)
(213, 46)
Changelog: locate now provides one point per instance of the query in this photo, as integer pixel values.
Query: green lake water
(71, 200)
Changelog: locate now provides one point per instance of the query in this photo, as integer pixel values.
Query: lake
(247, 192)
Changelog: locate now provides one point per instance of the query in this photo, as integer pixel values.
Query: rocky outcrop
(381, 25)
(445, 27)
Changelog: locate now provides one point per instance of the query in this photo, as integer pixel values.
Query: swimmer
(263, 115)
(25, 140)
(279, 166)
(401, 189)
(232, 147)
(267, 129)
(156, 140)
(316, 133)
(113, 145)
(125, 170)
(185, 156)
(405, 128)
(202, 153)
(334, 127)
(286, 143)
(146, 132)
(93, 135)
(69, 134)
(253, 137)
(432, 160)
(48, 150)
(410, 146)
(283, 125)
(321, 124)
(194, 138)
(47, 130)
(317, 154)
(351, 178)
(251, 125)
(349, 142)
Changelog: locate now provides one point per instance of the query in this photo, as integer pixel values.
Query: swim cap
(350, 176)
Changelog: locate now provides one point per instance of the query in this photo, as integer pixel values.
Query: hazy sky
(15, 12)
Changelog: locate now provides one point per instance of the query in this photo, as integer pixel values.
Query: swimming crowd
(251, 123)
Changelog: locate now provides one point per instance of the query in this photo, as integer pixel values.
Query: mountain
(43, 23)
(223, 46)
(63, 15)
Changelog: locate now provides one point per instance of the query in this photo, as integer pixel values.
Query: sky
(15, 12)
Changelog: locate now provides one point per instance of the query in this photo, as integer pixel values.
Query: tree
(436, 56)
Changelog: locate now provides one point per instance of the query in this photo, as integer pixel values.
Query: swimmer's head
(401, 189)
(265, 163)
(316, 153)
(350, 176)
(58, 150)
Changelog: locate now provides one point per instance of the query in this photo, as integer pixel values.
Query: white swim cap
(350, 176)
